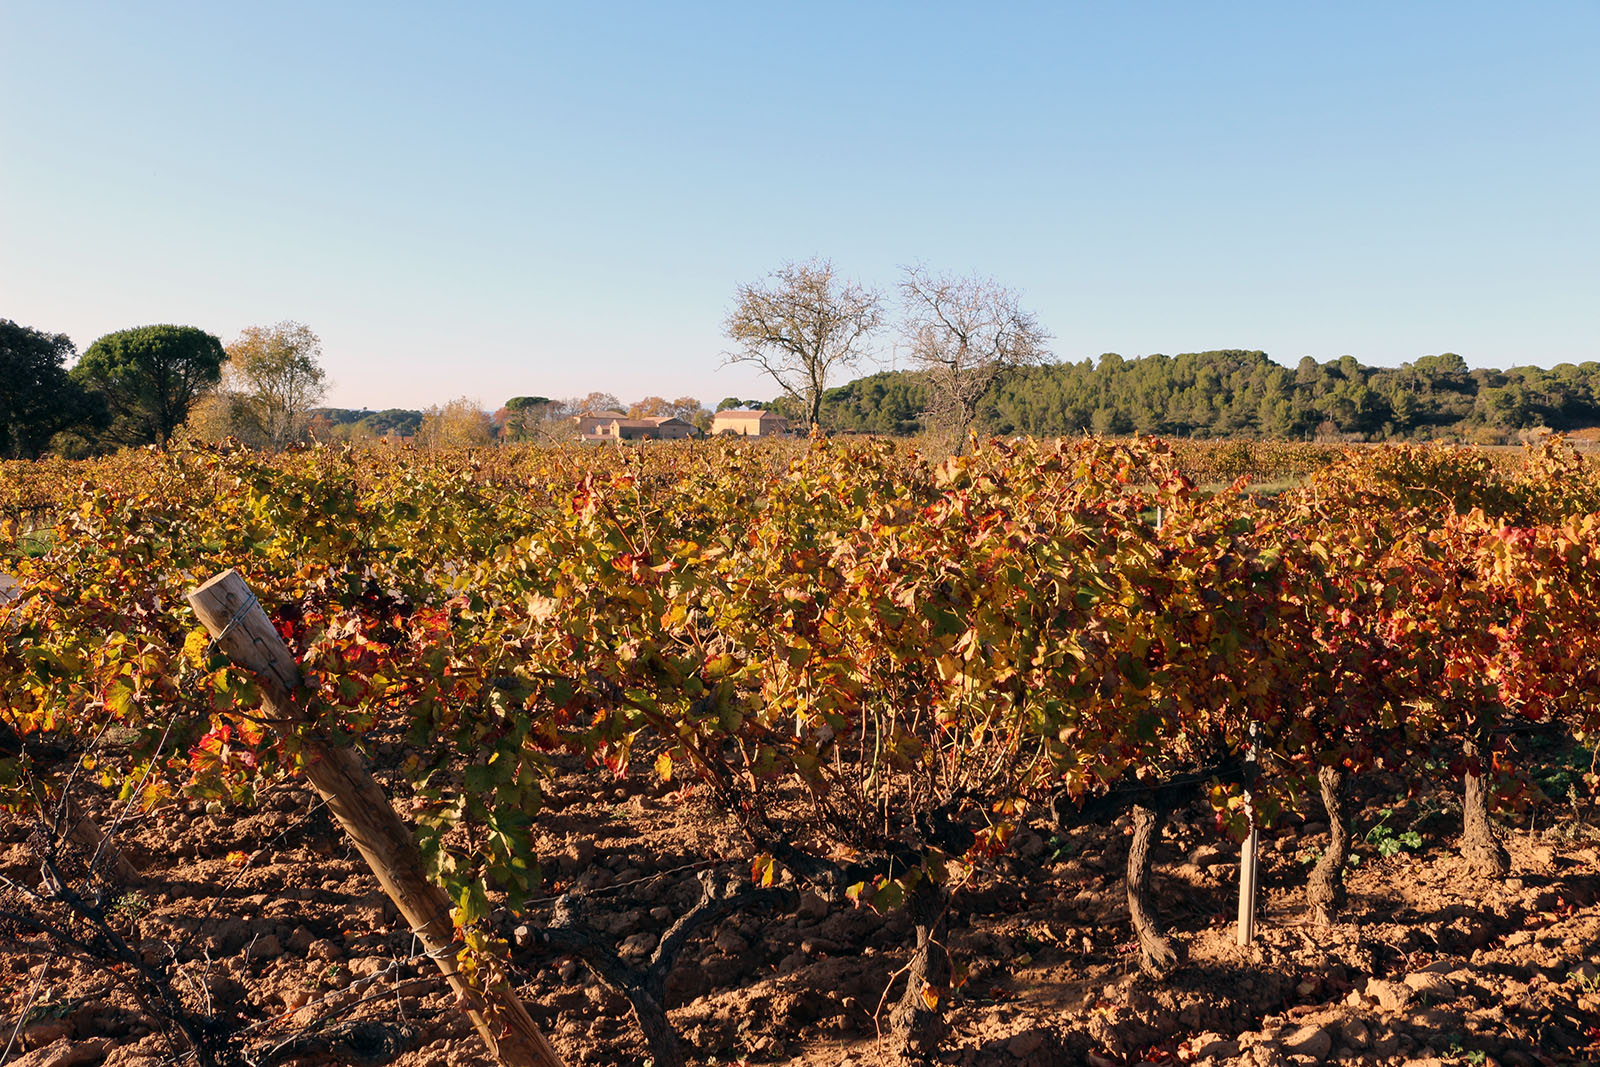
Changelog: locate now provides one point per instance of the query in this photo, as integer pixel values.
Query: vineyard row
(880, 664)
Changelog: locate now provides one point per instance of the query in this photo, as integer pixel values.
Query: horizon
(510, 201)
(711, 404)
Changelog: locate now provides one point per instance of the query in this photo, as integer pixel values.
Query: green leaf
(472, 904)
(479, 778)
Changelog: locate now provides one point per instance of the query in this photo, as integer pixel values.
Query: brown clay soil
(1429, 966)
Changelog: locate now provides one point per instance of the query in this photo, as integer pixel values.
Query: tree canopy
(364, 424)
(37, 397)
(1242, 393)
(277, 376)
(150, 377)
(462, 423)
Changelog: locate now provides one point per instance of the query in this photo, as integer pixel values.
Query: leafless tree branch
(964, 333)
(801, 325)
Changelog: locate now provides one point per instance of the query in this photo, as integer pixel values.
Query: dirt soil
(277, 926)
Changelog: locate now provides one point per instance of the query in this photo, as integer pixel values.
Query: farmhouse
(601, 426)
(748, 423)
(672, 428)
(589, 422)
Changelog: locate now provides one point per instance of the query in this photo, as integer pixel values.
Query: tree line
(144, 385)
(464, 422)
(152, 385)
(979, 361)
(1236, 393)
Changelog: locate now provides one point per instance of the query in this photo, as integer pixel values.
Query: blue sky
(498, 199)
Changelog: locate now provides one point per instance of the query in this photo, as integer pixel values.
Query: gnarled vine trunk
(1480, 846)
(646, 987)
(1325, 888)
(1157, 956)
(918, 1024)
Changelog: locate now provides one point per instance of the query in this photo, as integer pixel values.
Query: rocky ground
(277, 927)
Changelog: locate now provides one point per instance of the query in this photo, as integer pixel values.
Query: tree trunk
(1325, 888)
(919, 1026)
(963, 424)
(1480, 847)
(1157, 957)
(242, 630)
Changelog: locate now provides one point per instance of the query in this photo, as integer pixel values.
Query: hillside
(1233, 392)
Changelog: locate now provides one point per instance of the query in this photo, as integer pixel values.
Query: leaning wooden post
(245, 635)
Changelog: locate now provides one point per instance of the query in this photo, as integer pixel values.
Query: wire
(250, 601)
(105, 842)
(22, 1017)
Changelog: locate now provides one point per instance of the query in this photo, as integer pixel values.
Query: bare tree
(963, 334)
(800, 326)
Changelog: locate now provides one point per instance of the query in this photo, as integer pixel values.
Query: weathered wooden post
(1247, 885)
(245, 635)
(1249, 855)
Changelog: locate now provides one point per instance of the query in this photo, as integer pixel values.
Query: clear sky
(494, 199)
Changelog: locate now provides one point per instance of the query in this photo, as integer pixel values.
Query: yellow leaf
(931, 995)
(195, 647)
(119, 698)
(664, 766)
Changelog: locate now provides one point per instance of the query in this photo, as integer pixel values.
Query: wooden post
(1247, 886)
(245, 635)
(1249, 854)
